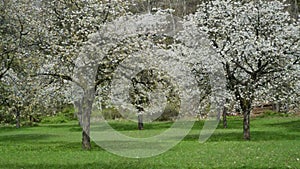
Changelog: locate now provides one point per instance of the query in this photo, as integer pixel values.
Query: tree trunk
(18, 121)
(140, 122)
(246, 124)
(86, 141)
(87, 104)
(225, 117)
(246, 109)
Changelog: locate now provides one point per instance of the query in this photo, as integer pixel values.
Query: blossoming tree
(257, 41)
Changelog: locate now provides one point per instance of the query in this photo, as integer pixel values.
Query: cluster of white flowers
(257, 43)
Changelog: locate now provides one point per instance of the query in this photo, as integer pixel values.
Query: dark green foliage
(67, 114)
(55, 119)
(111, 114)
(170, 113)
(270, 113)
(29, 123)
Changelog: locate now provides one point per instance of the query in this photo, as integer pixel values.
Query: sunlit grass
(275, 144)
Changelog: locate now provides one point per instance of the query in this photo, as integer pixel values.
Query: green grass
(275, 144)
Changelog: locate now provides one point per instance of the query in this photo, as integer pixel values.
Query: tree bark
(86, 141)
(225, 117)
(140, 122)
(246, 123)
(18, 120)
(87, 104)
(246, 104)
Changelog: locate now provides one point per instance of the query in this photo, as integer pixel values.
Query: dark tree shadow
(25, 137)
(238, 136)
(292, 126)
(130, 126)
(61, 125)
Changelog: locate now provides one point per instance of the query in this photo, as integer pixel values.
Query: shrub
(55, 119)
(68, 112)
(111, 113)
(270, 113)
(28, 123)
(170, 113)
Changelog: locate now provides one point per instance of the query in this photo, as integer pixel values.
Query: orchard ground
(275, 144)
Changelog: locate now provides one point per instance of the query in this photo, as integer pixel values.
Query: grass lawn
(275, 144)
